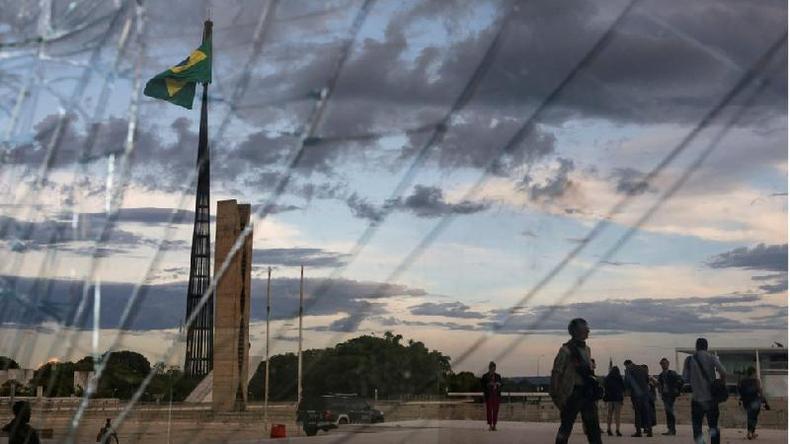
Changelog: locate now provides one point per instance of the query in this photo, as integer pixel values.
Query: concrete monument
(232, 315)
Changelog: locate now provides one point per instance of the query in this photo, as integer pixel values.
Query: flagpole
(266, 375)
(301, 313)
(199, 359)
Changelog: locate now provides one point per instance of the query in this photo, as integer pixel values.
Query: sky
(476, 174)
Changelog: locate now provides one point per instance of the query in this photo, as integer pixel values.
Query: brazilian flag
(177, 84)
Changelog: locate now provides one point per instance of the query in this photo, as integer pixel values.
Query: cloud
(778, 285)
(147, 216)
(162, 305)
(446, 309)
(429, 202)
(553, 187)
(392, 321)
(23, 235)
(363, 209)
(630, 181)
(759, 257)
(424, 202)
(309, 257)
(684, 315)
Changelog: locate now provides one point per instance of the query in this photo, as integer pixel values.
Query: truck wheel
(310, 430)
(343, 421)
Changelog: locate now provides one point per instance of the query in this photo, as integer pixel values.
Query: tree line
(366, 365)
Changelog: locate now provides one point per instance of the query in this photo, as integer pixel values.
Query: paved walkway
(472, 432)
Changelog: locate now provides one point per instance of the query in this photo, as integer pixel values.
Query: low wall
(731, 414)
(46, 410)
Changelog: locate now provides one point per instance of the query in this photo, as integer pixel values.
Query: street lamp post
(538, 369)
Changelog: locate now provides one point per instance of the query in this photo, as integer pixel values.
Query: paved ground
(403, 432)
(471, 432)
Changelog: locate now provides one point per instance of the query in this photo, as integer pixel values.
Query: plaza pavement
(473, 432)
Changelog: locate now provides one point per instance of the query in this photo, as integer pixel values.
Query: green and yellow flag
(177, 84)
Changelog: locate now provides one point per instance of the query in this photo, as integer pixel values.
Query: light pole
(538, 369)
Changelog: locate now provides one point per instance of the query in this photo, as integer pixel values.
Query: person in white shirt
(698, 370)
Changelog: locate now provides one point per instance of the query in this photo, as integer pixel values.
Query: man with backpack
(574, 388)
(637, 385)
(669, 384)
(700, 370)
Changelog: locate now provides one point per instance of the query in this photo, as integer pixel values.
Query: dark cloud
(477, 138)
(424, 202)
(53, 233)
(772, 284)
(351, 322)
(361, 208)
(429, 202)
(553, 187)
(619, 263)
(392, 321)
(396, 80)
(629, 181)
(309, 257)
(147, 216)
(162, 305)
(684, 315)
(759, 257)
(446, 309)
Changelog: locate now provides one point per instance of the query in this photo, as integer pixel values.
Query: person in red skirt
(492, 394)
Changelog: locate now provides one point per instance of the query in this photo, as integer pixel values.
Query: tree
(57, 378)
(20, 389)
(7, 363)
(123, 374)
(464, 382)
(360, 365)
(171, 380)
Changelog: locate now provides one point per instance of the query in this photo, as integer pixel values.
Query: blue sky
(712, 261)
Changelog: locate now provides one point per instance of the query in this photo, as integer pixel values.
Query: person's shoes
(649, 433)
(749, 435)
(754, 435)
(618, 433)
(493, 428)
(609, 432)
(637, 435)
(669, 433)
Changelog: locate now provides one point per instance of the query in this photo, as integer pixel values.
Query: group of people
(575, 389)
(643, 390)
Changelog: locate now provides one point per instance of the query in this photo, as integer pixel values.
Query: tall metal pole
(266, 375)
(301, 313)
(200, 334)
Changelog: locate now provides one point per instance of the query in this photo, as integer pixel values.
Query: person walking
(636, 386)
(751, 393)
(669, 385)
(106, 433)
(19, 429)
(492, 394)
(652, 384)
(574, 388)
(613, 397)
(699, 370)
